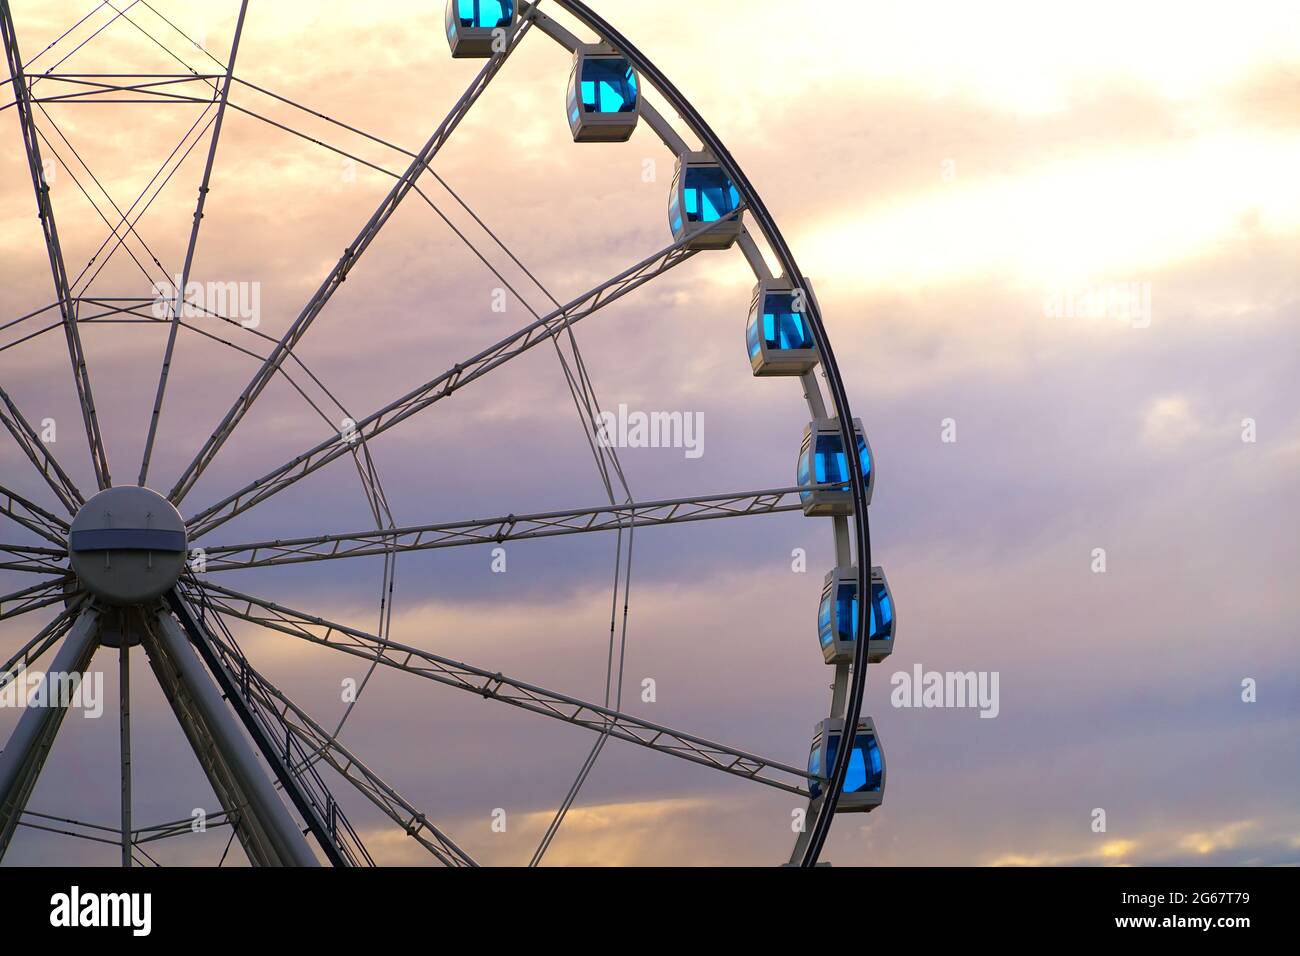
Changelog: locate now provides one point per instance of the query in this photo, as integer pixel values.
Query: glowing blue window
(864, 767)
(842, 626)
(608, 85)
(709, 194)
(674, 210)
(865, 773)
(846, 611)
(784, 326)
(882, 614)
(832, 464)
(485, 13)
(751, 340)
(824, 629)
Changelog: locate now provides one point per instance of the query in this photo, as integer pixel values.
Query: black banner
(978, 906)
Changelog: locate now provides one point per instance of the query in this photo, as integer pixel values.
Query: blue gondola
(864, 784)
(702, 196)
(603, 95)
(778, 336)
(473, 26)
(822, 461)
(837, 617)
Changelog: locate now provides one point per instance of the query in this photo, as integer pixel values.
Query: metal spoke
(33, 560)
(325, 745)
(104, 26)
(174, 828)
(350, 257)
(579, 384)
(493, 685)
(501, 529)
(94, 87)
(46, 638)
(71, 822)
(62, 36)
(130, 225)
(39, 455)
(124, 742)
(445, 384)
(100, 186)
(33, 597)
(156, 42)
(23, 318)
(33, 517)
(189, 251)
(62, 831)
(46, 214)
(184, 35)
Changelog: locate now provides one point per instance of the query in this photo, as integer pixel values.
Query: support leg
(30, 743)
(124, 687)
(266, 829)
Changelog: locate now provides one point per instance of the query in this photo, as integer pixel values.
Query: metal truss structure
(270, 764)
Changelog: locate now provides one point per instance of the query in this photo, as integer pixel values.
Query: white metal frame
(228, 711)
(764, 359)
(841, 652)
(598, 127)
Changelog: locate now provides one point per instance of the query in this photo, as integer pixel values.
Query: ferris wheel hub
(128, 545)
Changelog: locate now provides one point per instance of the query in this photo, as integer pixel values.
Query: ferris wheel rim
(771, 233)
(776, 240)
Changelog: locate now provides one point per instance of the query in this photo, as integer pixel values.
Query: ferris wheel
(136, 562)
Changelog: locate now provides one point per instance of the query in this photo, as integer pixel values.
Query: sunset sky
(949, 176)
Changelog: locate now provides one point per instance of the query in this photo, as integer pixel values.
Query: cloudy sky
(976, 194)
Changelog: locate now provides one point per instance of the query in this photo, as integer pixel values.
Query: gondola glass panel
(472, 25)
(602, 100)
(822, 462)
(778, 336)
(837, 617)
(864, 783)
(703, 195)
